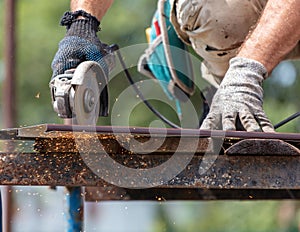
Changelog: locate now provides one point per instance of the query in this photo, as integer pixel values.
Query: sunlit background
(42, 209)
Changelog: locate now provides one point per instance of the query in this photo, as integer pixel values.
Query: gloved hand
(81, 44)
(239, 95)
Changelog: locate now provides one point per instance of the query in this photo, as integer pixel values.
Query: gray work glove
(240, 95)
(81, 44)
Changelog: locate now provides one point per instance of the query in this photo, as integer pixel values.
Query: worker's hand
(239, 95)
(81, 44)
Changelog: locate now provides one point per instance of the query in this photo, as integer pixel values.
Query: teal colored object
(157, 61)
(167, 58)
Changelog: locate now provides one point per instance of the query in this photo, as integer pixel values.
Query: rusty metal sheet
(116, 144)
(67, 156)
(58, 130)
(226, 172)
(64, 134)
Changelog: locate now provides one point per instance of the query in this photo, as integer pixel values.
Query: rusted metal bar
(54, 130)
(240, 173)
(50, 136)
(241, 167)
(227, 172)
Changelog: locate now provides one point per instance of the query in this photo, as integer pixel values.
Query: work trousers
(216, 29)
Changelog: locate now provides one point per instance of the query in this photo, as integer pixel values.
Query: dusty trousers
(216, 29)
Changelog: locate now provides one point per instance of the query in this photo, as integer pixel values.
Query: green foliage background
(38, 34)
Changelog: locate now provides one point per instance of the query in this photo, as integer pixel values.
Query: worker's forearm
(276, 34)
(96, 8)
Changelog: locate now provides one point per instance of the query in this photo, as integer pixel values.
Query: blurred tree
(38, 34)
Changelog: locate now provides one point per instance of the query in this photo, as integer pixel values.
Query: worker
(239, 51)
(237, 57)
(275, 37)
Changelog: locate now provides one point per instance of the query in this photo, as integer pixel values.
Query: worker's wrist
(81, 24)
(80, 20)
(244, 73)
(249, 65)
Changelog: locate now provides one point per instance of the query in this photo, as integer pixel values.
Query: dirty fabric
(216, 29)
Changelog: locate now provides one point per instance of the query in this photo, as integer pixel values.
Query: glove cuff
(249, 64)
(82, 27)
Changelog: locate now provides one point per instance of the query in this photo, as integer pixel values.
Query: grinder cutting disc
(85, 96)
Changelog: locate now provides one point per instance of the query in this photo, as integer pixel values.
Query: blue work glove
(81, 44)
(240, 95)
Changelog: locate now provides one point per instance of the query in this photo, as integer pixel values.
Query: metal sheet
(56, 130)
(226, 172)
(143, 130)
(57, 161)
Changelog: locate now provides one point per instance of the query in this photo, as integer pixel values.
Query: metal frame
(269, 173)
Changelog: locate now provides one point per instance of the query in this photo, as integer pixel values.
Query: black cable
(295, 115)
(115, 47)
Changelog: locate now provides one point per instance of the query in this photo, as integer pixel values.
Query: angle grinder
(81, 93)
